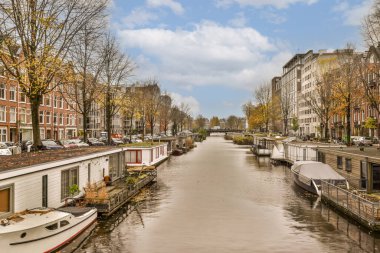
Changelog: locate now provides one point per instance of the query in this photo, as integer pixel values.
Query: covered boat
(309, 174)
(44, 229)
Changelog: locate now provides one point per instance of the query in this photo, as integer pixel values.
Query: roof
(316, 170)
(24, 160)
(371, 152)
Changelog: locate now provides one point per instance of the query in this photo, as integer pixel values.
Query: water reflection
(220, 198)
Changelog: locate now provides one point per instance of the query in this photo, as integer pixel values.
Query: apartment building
(308, 120)
(57, 118)
(291, 86)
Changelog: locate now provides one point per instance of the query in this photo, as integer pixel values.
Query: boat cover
(316, 170)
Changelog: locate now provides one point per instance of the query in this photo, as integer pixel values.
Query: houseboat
(291, 151)
(309, 175)
(145, 154)
(44, 230)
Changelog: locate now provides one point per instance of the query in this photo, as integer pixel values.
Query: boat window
(348, 165)
(23, 235)
(339, 162)
(64, 223)
(52, 226)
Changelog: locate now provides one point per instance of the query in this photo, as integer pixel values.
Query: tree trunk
(35, 105)
(108, 117)
(84, 121)
(130, 129)
(348, 118)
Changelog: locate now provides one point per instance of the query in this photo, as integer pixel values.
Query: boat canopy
(316, 170)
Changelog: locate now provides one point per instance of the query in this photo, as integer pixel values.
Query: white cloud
(210, 54)
(176, 7)
(279, 4)
(239, 21)
(353, 14)
(139, 17)
(190, 101)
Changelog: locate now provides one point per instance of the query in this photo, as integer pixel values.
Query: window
(42, 117)
(61, 102)
(339, 162)
(157, 152)
(363, 174)
(61, 119)
(115, 165)
(12, 115)
(12, 94)
(2, 113)
(348, 165)
(55, 102)
(133, 156)
(48, 115)
(63, 223)
(23, 115)
(68, 179)
(6, 200)
(42, 133)
(2, 91)
(22, 97)
(52, 226)
(321, 157)
(3, 134)
(47, 100)
(89, 172)
(55, 118)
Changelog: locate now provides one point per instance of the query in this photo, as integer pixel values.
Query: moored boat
(309, 174)
(44, 229)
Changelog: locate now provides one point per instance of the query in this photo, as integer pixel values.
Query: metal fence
(353, 203)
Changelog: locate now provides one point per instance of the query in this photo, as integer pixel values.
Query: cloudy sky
(211, 54)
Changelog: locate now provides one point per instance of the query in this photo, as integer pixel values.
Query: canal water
(220, 198)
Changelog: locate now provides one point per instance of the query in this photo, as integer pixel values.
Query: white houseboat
(44, 230)
(146, 155)
(291, 151)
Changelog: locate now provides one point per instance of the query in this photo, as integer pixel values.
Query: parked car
(4, 149)
(67, 144)
(79, 143)
(50, 145)
(94, 142)
(363, 141)
(116, 141)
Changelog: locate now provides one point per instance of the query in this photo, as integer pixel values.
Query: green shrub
(243, 140)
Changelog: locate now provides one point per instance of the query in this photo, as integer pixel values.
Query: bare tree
(164, 111)
(263, 97)
(321, 100)
(37, 35)
(184, 113)
(347, 87)
(285, 107)
(117, 69)
(371, 25)
(175, 114)
(82, 86)
(152, 103)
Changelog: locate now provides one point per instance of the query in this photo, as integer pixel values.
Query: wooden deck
(119, 194)
(359, 208)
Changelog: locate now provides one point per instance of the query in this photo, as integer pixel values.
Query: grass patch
(142, 144)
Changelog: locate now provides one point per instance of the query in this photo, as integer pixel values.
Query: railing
(365, 210)
(115, 200)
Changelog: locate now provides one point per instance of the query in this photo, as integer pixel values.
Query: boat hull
(48, 243)
(304, 185)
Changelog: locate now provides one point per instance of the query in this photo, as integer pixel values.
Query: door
(376, 177)
(45, 191)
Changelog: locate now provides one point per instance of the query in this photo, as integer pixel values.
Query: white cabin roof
(316, 170)
(32, 220)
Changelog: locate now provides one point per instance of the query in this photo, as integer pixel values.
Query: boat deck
(111, 198)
